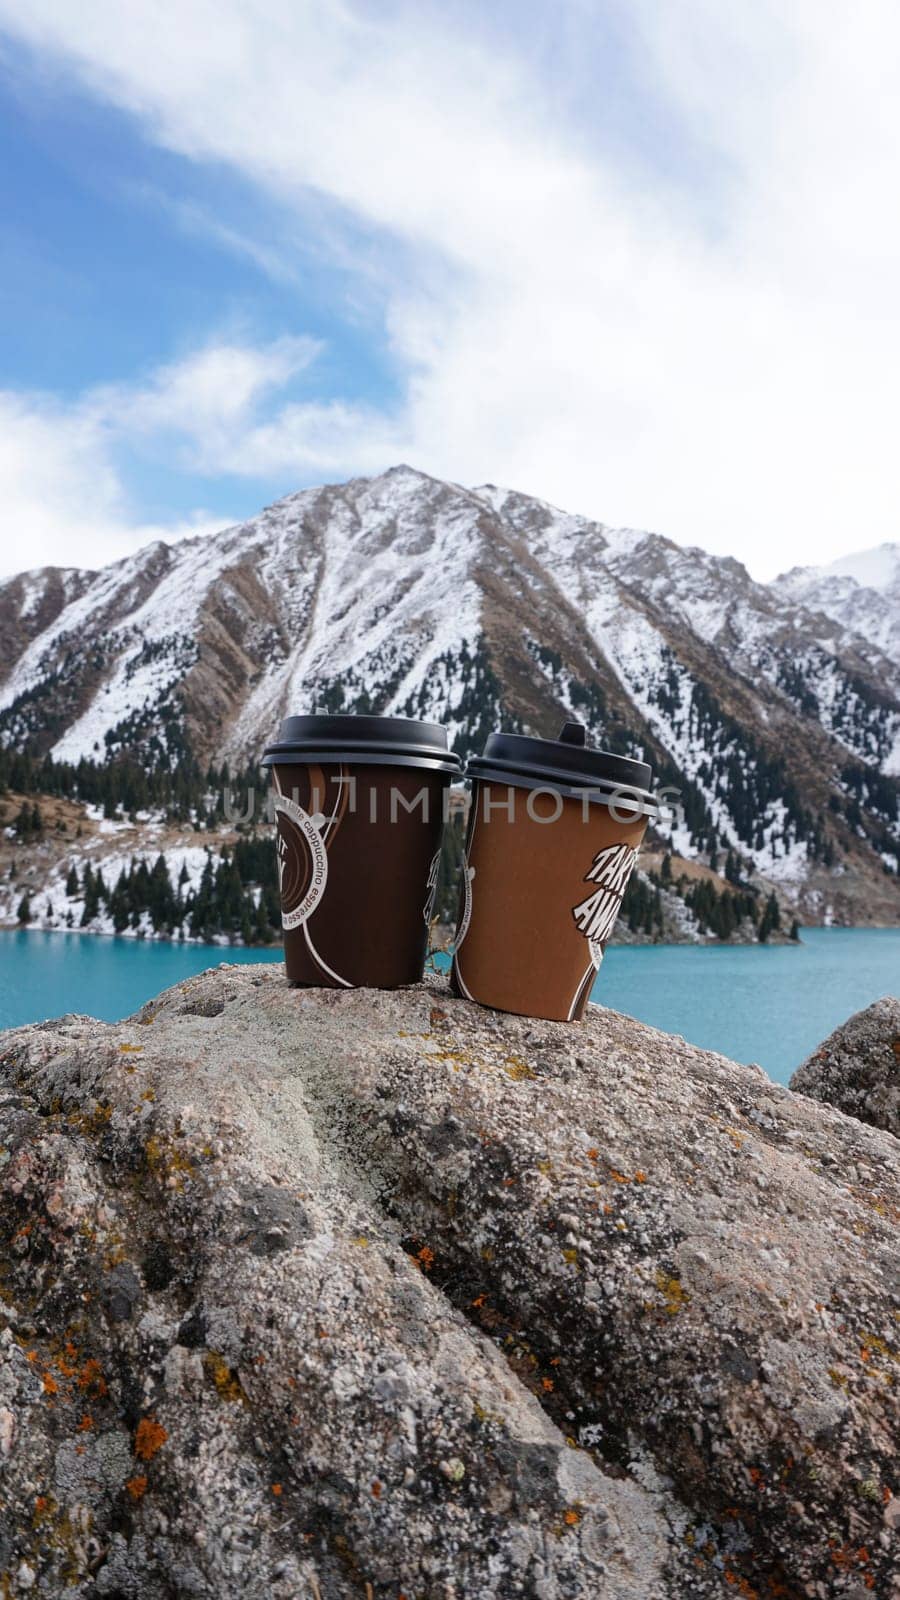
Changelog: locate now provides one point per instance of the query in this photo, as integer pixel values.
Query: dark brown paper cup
(358, 847)
(547, 864)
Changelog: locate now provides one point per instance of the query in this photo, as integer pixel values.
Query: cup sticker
(465, 919)
(431, 884)
(302, 862)
(596, 916)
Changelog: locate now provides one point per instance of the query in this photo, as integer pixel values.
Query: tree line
(182, 791)
(718, 911)
(236, 897)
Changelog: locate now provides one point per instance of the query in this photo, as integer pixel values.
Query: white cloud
(61, 497)
(196, 220)
(62, 500)
(206, 399)
(720, 363)
(61, 491)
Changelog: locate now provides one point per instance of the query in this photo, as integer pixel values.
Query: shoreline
(221, 942)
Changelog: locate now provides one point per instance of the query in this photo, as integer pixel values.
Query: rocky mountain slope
(860, 592)
(778, 724)
(354, 1294)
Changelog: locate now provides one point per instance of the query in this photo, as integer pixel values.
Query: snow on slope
(861, 592)
(878, 568)
(405, 594)
(107, 591)
(383, 598)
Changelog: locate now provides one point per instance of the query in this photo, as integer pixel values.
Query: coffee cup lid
(568, 764)
(363, 741)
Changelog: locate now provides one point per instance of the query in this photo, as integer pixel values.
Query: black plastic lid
(567, 763)
(363, 741)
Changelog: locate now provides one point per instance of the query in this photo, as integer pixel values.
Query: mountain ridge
(778, 720)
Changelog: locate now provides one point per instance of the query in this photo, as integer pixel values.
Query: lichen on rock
(350, 1294)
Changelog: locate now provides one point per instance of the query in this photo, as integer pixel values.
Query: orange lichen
(376, 1490)
(277, 1489)
(571, 1518)
(547, 1383)
(227, 1384)
(50, 1384)
(149, 1438)
(85, 1424)
(137, 1487)
(91, 1377)
(593, 1154)
(425, 1258)
(675, 1295)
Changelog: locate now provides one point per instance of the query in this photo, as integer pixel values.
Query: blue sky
(640, 259)
(116, 255)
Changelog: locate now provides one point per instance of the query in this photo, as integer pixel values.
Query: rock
(349, 1294)
(857, 1068)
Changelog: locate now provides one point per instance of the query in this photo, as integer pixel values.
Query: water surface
(769, 1004)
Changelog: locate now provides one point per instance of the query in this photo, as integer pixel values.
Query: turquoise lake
(769, 1004)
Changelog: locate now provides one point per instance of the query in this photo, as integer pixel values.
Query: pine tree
(770, 919)
(24, 910)
(118, 904)
(72, 882)
(733, 868)
(91, 897)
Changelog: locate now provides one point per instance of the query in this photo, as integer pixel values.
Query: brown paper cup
(540, 900)
(357, 883)
(554, 831)
(358, 846)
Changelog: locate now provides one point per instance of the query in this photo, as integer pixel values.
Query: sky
(637, 257)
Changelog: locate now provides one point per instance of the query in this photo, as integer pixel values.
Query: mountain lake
(771, 1004)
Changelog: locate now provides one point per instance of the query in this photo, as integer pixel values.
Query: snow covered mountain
(860, 592)
(775, 714)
